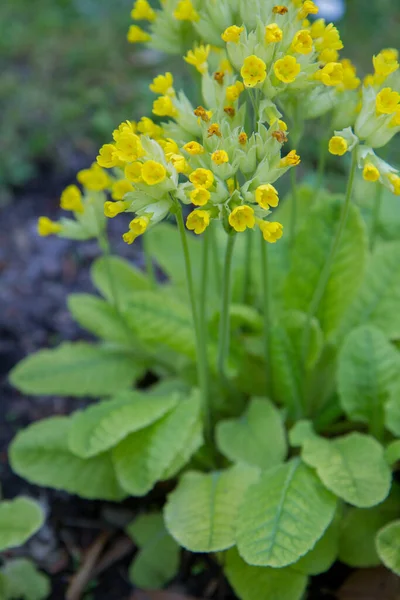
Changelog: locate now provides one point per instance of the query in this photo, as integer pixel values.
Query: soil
(36, 276)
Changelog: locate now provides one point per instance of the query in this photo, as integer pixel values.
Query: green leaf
(103, 425)
(359, 528)
(388, 546)
(353, 467)
(377, 302)
(392, 410)
(99, 317)
(21, 580)
(309, 255)
(300, 432)
(116, 278)
(262, 583)
(194, 441)
(201, 513)
(157, 561)
(283, 516)
(323, 555)
(144, 457)
(257, 438)
(392, 452)
(76, 369)
(40, 454)
(19, 520)
(367, 368)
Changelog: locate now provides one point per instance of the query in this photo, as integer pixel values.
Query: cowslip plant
(273, 339)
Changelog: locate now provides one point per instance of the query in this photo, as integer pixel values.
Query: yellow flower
(273, 33)
(326, 37)
(385, 63)
(338, 145)
(129, 237)
(202, 178)
(225, 66)
(169, 146)
(198, 221)
(302, 42)
(148, 127)
(163, 85)
(254, 71)
(387, 101)
(317, 28)
(133, 172)
(280, 10)
(200, 196)
(243, 138)
(193, 148)
(47, 227)
(214, 130)
(125, 127)
(272, 231)
(286, 69)
(137, 35)
(233, 91)
(94, 178)
(164, 107)
(180, 163)
(112, 209)
(232, 34)
(242, 217)
(350, 79)
(267, 196)
(331, 74)
(282, 125)
(129, 147)
(185, 11)
(198, 58)
(395, 122)
(328, 55)
(142, 11)
(153, 172)
(308, 8)
(71, 199)
(203, 114)
(395, 181)
(220, 157)
(107, 157)
(139, 225)
(290, 160)
(370, 172)
(120, 188)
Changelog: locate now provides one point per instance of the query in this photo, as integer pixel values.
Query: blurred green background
(68, 75)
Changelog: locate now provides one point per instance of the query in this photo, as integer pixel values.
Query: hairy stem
(247, 267)
(293, 213)
(266, 312)
(376, 214)
(224, 322)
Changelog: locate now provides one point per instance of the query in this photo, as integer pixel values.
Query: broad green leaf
(353, 467)
(145, 456)
(359, 528)
(22, 580)
(103, 425)
(157, 561)
(377, 302)
(40, 454)
(201, 513)
(263, 583)
(76, 369)
(99, 317)
(309, 255)
(392, 452)
(300, 432)
(283, 516)
(368, 366)
(194, 441)
(323, 555)
(117, 279)
(388, 546)
(392, 409)
(19, 520)
(257, 438)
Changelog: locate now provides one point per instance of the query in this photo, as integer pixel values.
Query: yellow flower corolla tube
(253, 71)
(163, 85)
(220, 157)
(387, 101)
(112, 209)
(120, 188)
(267, 196)
(194, 148)
(142, 11)
(164, 107)
(198, 221)
(107, 156)
(371, 173)
(185, 11)
(302, 42)
(71, 199)
(133, 172)
(232, 34)
(273, 33)
(47, 227)
(94, 179)
(153, 172)
(331, 74)
(286, 69)
(338, 145)
(200, 196)
(137, 35)
(198, 58)
(129, 147)
(242, 217)
(271, 231)
(202, 178)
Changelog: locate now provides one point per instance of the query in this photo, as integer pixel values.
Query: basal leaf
(19, 520)
(283, 515)
(353, 467)
(76, 369)
(263, 583)
(117, 279)
(388, 546)
(323, 555)
(368, 366)
(194, 441)
(102, 425)
(392, 452)
(40, 454)
(21, 579)
(201, 513)
(392, 409)
(308, 258)
(257, 438)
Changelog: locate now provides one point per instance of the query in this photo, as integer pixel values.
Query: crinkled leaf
(40, 454)
(323, 555)
(392, 452)
(257, 438)
(388, 546)
(263, 583)
(283, 515)
(19, 520)
(353, 467)
(117, 279)
(194, 441)
(76, 369)
(392, 409)
(21, 579)
(368, 366)
(101, 426)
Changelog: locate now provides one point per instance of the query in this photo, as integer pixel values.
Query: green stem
(293, 213)
(247, 267)
(326, 271)
(266, 312)
(323, 155)
(105, 247)
(148, 261)
(376, 214)
(215, 256)
(202, 359)
(204, 285)
(224, 319)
